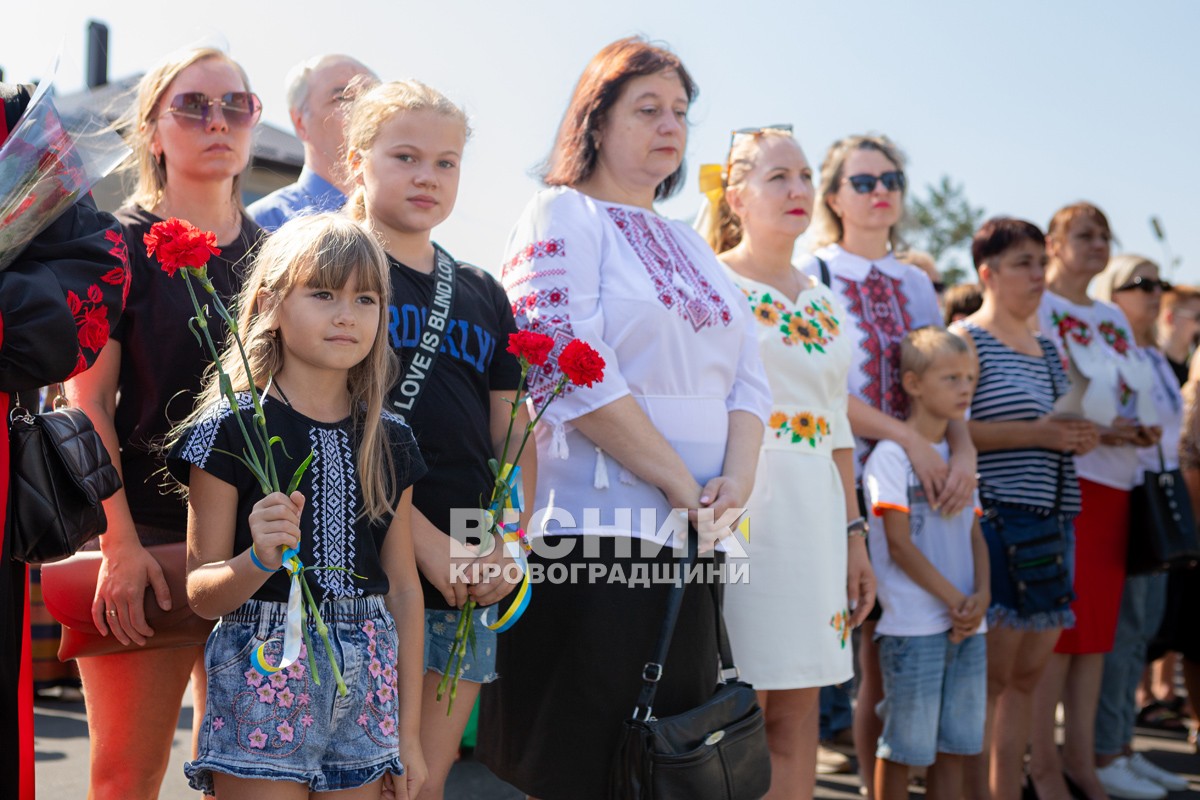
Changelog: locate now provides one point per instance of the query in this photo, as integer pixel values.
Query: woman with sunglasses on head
(191, 130)
(1111, 386)
(855, 228)
(819, 570)
(1132, 284)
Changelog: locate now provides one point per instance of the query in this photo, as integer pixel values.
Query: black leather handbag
(1162, 527)
(716, 751)
(59, 473)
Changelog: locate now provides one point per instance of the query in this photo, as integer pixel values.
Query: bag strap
(825, 278)
(429, 339)
(653, 670)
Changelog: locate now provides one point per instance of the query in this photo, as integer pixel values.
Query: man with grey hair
(317, 101)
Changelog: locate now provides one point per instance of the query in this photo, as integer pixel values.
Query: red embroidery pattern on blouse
(677, 282)
(549, 248)
(881, 309)
(545, 311)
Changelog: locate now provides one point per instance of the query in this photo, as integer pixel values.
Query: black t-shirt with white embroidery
(162, 364)
(452, 418)
(333, 533)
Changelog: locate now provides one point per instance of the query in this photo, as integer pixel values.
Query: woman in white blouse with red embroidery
(1111, 386)
(675, 424)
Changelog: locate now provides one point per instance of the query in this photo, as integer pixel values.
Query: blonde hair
(322, 251)
(1117, 273)
(827, 226)
(922, 347)
(375, 105)
(723, 229)
(142, 119)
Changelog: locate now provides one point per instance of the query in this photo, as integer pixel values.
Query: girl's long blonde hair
(140, 121)
(322, 251)
(374, 105)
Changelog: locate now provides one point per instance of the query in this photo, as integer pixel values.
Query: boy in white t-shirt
(933, 584)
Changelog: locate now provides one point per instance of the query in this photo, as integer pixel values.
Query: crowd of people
(940, 513)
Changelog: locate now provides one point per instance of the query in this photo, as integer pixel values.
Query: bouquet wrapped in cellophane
(46, 164)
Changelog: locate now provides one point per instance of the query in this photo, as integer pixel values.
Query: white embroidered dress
(788, 623)
(649, 295)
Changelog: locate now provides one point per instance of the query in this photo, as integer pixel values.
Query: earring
(273, 333)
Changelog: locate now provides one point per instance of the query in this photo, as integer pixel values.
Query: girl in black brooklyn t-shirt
(311, 318)
(405, 143)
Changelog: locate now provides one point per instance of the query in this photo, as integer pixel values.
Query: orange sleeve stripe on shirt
(879, 508)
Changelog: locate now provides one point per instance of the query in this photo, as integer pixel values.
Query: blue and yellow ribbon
(294, 634)
(514, 502)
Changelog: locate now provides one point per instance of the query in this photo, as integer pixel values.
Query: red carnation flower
(532, 347)
(582, 365)
(180, 244)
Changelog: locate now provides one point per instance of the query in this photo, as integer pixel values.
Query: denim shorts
(934, 697)
(480, 661)
(288, 728)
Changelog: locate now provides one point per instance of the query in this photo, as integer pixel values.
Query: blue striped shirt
(1014, 386)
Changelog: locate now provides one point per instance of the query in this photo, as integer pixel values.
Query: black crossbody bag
(60, 473)
(408, 391)
(716, 751)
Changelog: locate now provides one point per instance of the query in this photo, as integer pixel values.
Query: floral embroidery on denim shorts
(286, 726)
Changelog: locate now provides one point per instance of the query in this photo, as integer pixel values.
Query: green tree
(942, 223)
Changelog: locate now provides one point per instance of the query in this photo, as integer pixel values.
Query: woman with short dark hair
(1027, 486)
(675, 425)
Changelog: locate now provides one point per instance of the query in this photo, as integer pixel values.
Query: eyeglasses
(1146, 285)
(893, 181)
(785, 127)
(194, 109)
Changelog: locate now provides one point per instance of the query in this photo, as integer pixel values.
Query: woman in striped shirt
(1027, 485)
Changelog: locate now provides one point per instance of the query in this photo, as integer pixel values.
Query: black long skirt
(570, 670)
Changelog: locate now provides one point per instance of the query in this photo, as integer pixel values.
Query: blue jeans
(934, 697)
(1142, 605)
(836, 712)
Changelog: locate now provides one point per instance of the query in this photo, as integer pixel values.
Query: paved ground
(62, 762)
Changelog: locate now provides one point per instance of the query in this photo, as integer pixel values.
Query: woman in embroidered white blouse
(675, 424)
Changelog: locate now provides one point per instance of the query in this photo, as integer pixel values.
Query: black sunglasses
(893, 181)
(240, 109)
(1146, 285)
(785, 127)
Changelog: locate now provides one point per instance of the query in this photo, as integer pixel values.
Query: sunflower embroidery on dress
(801, 427)
(812, 325)
(840, 622)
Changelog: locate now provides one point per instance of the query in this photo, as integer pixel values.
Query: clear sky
(1030, 104)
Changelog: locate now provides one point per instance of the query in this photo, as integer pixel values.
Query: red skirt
(1101, 536)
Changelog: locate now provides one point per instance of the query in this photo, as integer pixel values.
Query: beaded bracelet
(258, 562)
(857, 527)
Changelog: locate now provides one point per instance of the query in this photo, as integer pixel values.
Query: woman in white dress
(810, 578)
(676, 424)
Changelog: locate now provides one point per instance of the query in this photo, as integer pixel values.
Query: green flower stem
(323, 630)
(558, 389)
(256, 466)
(259, 415)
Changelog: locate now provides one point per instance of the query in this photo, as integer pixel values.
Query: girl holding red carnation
(191, 130)
(405, 145)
